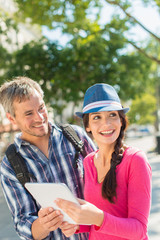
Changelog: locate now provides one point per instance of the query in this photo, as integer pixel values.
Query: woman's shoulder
(130, 151)
(135, 156)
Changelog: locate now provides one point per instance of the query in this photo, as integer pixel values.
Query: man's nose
(39, 116)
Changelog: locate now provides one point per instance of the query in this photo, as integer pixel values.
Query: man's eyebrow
(42, 104)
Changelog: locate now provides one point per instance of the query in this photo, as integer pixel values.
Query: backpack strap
(72, 136)
(18, 164)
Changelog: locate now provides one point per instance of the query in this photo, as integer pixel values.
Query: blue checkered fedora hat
(99, 98)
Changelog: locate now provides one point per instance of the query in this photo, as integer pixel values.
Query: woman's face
(105, 127)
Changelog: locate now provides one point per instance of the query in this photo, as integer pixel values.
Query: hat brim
(102, 109)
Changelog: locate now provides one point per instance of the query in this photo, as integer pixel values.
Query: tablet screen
(46, 193)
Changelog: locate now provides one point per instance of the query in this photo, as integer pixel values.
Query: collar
(19, 142)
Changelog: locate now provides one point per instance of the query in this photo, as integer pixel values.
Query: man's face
(31, 116)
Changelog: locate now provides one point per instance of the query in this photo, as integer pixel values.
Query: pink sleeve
(83, 228)
(139, 201)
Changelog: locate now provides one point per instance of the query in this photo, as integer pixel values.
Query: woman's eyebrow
(95, 113)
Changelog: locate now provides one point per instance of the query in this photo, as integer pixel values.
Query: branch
(135, 46)
(144, 53)
(134, 19)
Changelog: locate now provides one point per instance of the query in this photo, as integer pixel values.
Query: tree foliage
(126, 8)
(72, 16)
(66, 73)
(143, 110)
(94, 52)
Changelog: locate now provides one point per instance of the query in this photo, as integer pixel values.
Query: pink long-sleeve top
(128, 217)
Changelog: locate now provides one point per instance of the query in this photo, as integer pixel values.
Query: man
(49, 156)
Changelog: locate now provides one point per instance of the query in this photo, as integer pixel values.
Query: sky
(148, 16)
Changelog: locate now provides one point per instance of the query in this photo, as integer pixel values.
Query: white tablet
(46, 193)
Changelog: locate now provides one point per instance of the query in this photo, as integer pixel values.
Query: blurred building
(12, 40)
(25, 31)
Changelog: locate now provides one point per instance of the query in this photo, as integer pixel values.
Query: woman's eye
(96, 117)
(113, 114)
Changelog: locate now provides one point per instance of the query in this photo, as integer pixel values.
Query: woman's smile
(107, 133)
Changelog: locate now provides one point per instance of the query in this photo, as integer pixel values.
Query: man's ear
(11, 118)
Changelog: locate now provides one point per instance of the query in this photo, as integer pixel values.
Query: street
(147, 144)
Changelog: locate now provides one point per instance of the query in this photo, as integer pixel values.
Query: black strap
(18, 164)
(72, 136)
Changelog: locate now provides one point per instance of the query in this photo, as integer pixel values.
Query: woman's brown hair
(110, 183)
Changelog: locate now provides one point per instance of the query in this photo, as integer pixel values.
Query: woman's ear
(88, 130)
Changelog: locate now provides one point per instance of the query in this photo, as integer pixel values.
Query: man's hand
(48, 220)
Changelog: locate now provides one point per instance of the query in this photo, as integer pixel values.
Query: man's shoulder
(5, 162)
(78, 130)
(82, 135)
(5, 168)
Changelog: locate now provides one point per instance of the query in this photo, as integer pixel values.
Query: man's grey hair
(18, 89)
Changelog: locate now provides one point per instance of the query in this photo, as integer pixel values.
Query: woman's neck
(105, 152)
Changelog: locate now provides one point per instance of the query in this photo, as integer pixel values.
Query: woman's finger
(81, 201)
(69, 231)
(66, 205)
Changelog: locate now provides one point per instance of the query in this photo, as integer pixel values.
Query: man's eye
(28, 114)
(41, 108)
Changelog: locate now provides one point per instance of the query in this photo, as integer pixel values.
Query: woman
(117, 177)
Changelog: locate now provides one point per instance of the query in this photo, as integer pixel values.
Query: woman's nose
(107, 120)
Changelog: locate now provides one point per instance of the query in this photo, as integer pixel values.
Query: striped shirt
(58, 167)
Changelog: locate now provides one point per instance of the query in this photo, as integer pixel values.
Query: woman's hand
(85, 213)
(68, 229)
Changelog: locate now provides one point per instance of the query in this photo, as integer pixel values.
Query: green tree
(126, 8)
(94, 53)
(6, 24)
(143, 110)
(66, 73)
(72, 16)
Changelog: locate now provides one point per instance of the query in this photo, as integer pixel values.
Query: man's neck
(40, 142)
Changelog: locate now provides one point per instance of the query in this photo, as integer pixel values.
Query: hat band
(100, 104)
